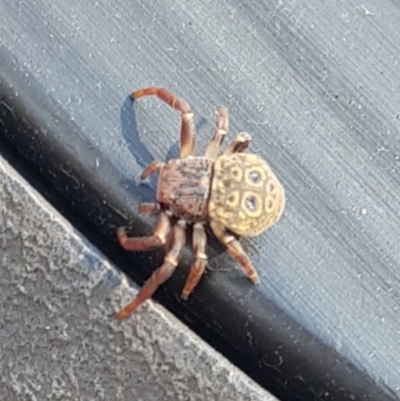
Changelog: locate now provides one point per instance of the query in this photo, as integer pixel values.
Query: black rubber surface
(317, 84)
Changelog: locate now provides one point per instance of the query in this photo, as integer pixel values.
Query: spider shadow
(130, 133)
(138, 149)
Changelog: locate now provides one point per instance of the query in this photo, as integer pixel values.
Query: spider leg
(149, 207)
(158, 238)
(152, 168)
(200, 262)
(187, 142)
(221, 129)
(162, 274)
(239, 144)
(236, 250)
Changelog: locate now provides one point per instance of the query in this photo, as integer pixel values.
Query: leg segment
(187, 129)
(152, 168)
(239, 144)
(200, 262)
(162, 274)
(158, 238)
(220, 131)
(147, 208)
(236, 250)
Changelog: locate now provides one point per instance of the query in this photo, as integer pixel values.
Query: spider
(236, 193)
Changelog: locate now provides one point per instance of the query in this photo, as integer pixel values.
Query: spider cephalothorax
(235, 193)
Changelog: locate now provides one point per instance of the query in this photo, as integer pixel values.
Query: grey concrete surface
(58, 337)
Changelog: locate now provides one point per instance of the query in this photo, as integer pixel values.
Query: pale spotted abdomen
(246, 196)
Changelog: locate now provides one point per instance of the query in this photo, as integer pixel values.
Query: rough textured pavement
(58, 336)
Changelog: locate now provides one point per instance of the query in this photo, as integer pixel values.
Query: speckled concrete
(58, 338)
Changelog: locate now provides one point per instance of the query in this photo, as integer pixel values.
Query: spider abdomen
(246, 196)
(184, 187)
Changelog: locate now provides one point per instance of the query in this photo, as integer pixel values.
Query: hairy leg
(162, 274)
(188, 133)
(221, 129)
(236, 250)
(200, 262)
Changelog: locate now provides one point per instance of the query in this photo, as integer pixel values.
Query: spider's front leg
(236, 250)
(188, 133)
(162, 274)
